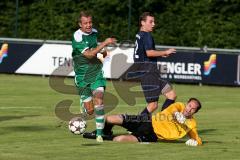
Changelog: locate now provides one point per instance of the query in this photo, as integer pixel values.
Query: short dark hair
(198, 102)
(143, 17)
(84, 14)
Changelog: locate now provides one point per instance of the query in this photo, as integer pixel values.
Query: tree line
(193, 23)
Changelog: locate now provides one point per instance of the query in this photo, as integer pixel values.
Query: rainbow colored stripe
(210, 64)
(3, 52)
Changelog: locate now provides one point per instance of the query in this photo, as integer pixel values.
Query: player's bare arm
(93, 52)
(103, 54)
(156, 53)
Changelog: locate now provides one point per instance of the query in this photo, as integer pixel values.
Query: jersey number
(135, 50)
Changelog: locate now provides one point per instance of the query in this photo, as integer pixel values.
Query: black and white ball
(77, 125)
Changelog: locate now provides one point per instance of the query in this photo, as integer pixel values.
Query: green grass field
(29, 128)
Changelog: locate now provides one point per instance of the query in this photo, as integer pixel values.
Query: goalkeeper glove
(191, 142)
(179, 117)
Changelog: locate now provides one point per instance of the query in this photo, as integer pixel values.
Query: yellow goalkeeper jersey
(166, 127)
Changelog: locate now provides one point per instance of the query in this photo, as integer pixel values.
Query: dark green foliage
(179, 22)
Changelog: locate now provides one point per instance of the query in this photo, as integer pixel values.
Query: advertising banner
(48, 58)
(209, 68)
(183, 66)
(13, 55)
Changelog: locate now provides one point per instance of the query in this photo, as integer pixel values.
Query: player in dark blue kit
(145, 56)
(145, 68)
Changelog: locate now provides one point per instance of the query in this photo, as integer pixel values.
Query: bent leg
(99, 112)
(170, 94)
(114, 119)
(125, 138)
(170, 98)
(152, 106)
(88, 105)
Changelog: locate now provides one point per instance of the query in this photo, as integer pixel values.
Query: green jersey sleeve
(78, 44)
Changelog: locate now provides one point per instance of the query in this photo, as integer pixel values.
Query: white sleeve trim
(94, 30)
(78, 36)
(85, 49)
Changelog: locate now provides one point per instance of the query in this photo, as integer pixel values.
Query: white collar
(84, 33)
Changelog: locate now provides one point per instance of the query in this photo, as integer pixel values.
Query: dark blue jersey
(144, 41)
(143, 63)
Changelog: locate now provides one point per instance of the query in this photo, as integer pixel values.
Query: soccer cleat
(99, 139)
(92, 135)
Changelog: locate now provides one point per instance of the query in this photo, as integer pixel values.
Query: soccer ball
(77, 125)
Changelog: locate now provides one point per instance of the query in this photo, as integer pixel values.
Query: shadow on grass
(206, 131)
(26, 128)
(91, 144)
(216, 142)
(7, 118)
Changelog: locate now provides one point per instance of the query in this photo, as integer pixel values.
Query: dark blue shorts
(153, 86)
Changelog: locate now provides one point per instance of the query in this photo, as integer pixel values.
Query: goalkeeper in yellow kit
(172, 123)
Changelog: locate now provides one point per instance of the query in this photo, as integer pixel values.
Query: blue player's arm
(156, 53)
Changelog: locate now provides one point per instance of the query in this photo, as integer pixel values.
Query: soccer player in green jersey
(88, 70)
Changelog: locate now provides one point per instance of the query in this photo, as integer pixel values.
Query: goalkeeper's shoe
(92, 135)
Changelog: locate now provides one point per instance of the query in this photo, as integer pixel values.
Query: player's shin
(145, 111)
(107, 128)
(99, 118)
(167, 103)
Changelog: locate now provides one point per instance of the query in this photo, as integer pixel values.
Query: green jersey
(85, 69)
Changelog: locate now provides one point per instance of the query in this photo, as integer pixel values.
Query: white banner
(48, 58)
(56, 59)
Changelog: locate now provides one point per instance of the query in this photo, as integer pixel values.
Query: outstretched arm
(194, 140)
(156, 53)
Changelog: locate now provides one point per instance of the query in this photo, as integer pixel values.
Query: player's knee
(152, 106)
(171, 95)
(98, 93)
(90, 112)
(114, 119)
(98, 101)
(125, 138)
(89, 107)
(98, 98)
(118, 139)
(109, 119)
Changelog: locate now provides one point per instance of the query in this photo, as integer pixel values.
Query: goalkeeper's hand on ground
(191, 142)
(179, 117)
